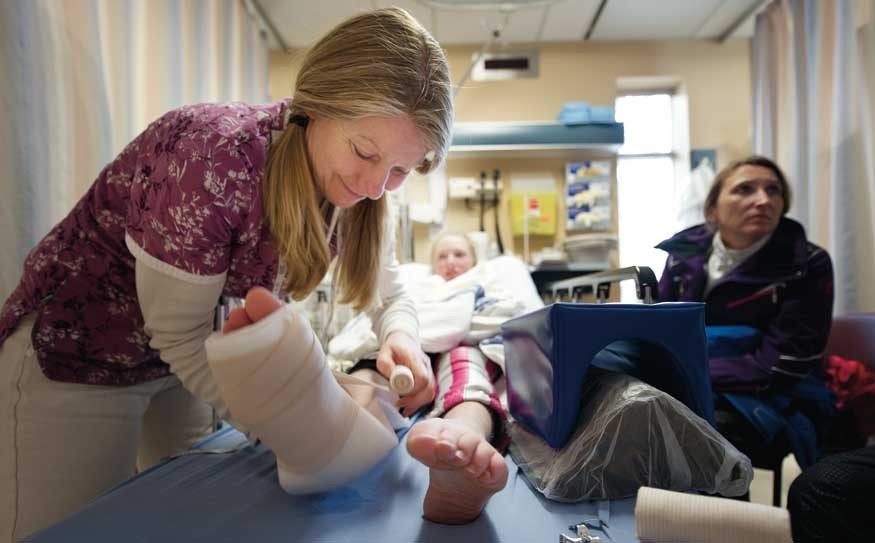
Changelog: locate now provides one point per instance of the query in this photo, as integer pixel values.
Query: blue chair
(548, 353)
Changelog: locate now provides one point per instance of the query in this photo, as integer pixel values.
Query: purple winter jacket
(785, 290)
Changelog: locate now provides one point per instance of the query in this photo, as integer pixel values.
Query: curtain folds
(84, 77)
(813, 65)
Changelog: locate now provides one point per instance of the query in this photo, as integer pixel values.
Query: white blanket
(466, 310)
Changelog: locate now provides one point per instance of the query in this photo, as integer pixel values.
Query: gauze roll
(666, 516)
(273, 377)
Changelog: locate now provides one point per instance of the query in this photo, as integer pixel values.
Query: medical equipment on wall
(483, 200)
(533, 207)
(588, 195)
(496, 176)
(486, 192)
(496, 198)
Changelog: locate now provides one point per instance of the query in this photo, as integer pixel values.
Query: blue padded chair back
(548, 352)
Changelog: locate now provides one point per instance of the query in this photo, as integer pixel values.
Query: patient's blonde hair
(380, 63)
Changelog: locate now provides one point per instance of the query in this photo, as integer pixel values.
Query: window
(646, 179)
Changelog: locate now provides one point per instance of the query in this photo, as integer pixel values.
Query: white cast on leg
(273, 377)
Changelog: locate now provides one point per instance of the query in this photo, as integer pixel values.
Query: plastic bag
(629, 435)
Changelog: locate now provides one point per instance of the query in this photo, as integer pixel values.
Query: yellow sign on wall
(535, 212)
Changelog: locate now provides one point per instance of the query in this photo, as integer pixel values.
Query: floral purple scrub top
(187, 191)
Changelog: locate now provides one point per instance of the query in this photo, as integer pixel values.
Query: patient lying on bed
(457, 441)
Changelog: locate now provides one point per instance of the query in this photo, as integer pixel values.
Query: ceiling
(298, 23)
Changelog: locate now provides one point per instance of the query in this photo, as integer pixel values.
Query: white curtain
(81, 78)
(813, 65)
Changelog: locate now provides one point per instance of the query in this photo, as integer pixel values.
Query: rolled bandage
(401, 380)
(274, 379)
(663, 516)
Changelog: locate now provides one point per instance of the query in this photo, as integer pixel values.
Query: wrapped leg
(464, 374)
(273, 377)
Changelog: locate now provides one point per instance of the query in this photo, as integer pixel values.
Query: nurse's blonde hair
(380, 63)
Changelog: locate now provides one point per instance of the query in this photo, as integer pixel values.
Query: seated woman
(753, 267)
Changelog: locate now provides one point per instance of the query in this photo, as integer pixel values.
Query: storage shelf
(535, 140)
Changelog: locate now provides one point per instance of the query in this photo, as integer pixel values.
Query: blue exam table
(235, 496)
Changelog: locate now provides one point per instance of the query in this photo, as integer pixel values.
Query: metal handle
(600, 282)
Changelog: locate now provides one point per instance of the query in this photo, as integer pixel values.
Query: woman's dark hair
(753, 160)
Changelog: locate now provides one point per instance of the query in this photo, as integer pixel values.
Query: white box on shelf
(590, 247)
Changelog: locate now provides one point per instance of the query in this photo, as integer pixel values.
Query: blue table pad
(235, 496)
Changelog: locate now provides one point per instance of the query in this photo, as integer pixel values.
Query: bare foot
(260, 303)
(464, 469)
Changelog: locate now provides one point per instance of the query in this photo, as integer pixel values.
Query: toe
(260, 303)
(237, 319)
(480, 460)
(496, 472)
(422, 442)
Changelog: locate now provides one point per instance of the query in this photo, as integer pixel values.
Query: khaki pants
(63, 444)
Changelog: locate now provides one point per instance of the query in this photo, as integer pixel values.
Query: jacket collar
(785, 253)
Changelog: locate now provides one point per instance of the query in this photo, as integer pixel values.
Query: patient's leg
(465, 469)
(272, 374)
(260, 303)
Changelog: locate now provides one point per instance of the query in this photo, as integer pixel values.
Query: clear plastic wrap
(629, 435)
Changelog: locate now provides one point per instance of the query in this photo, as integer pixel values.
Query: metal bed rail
(600, 284)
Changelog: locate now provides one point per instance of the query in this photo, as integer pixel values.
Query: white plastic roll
(401, 380)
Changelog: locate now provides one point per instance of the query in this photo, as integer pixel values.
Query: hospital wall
(716, 78)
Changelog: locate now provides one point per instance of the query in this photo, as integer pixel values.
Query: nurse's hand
(400, 349)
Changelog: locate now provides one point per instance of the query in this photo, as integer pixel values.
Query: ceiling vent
(504, 5)
(506, 65)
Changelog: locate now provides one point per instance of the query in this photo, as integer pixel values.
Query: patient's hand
(260, 303)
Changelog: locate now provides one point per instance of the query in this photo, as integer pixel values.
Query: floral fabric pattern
(187, 192)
